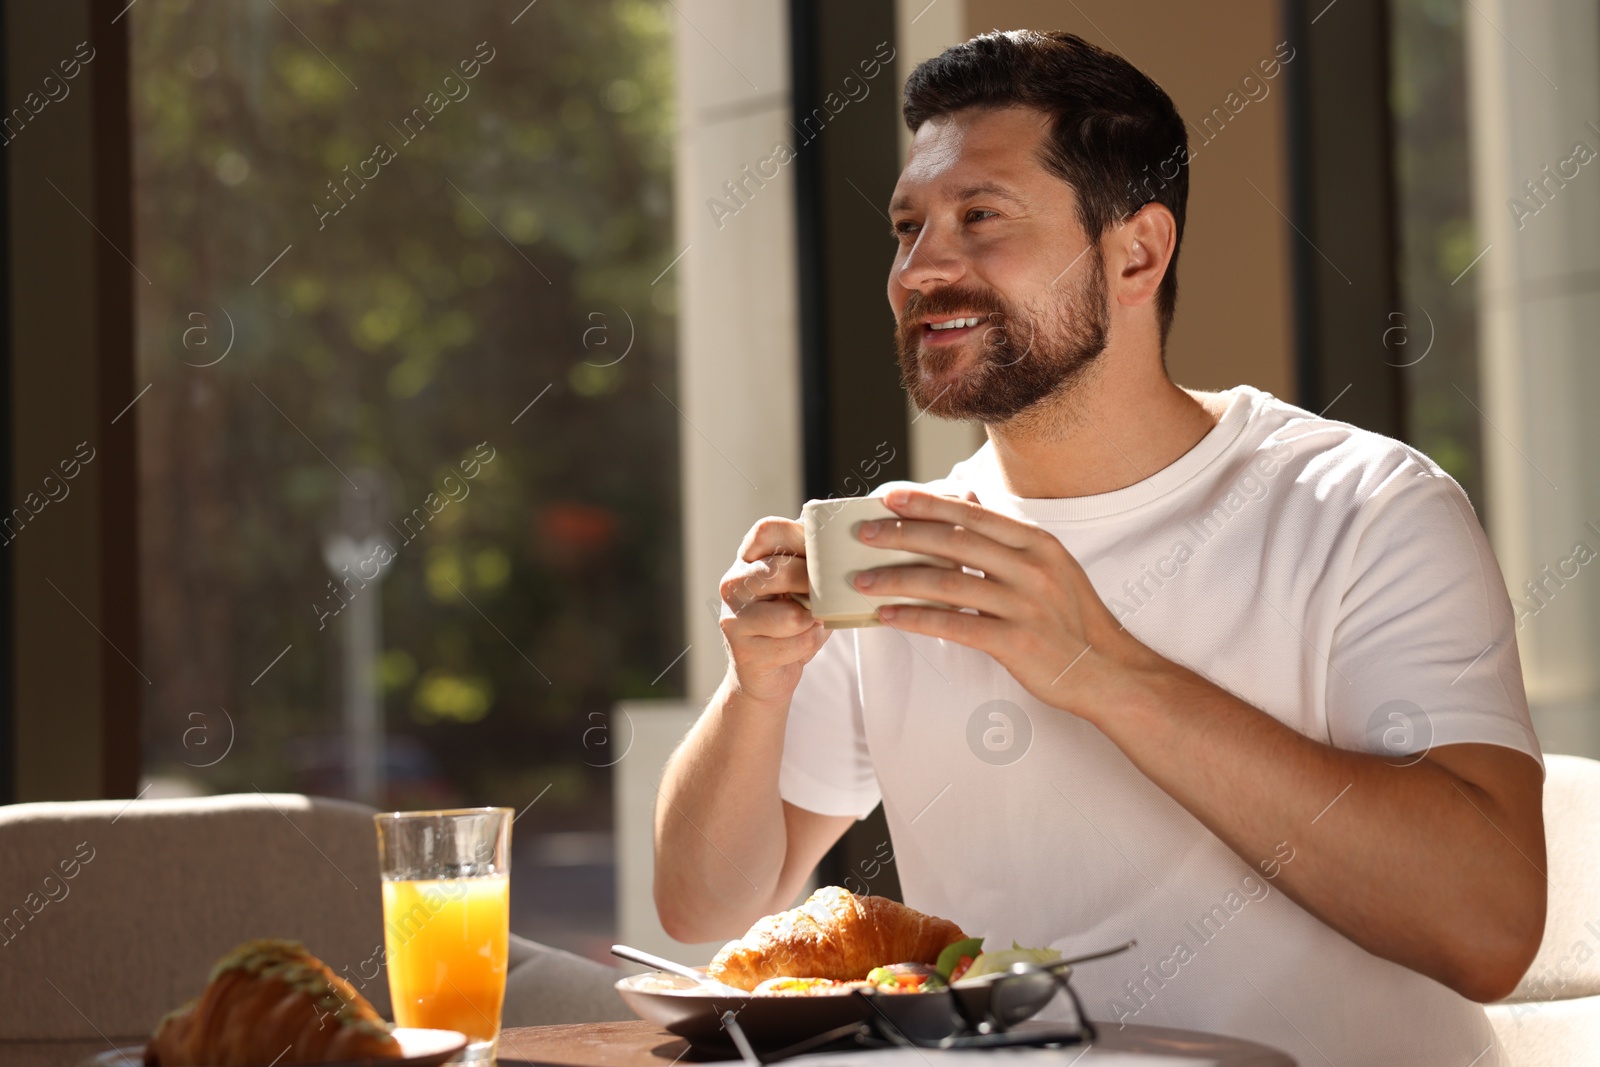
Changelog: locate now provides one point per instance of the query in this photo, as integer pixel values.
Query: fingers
(959, 544)
(945, 585)
(780, 651)
(769, 636)
(767, 641)
(974, 631)
(916, 504)
(781, 617)
(771, 536)
(746, 583)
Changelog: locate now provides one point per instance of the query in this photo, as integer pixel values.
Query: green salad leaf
(1001, 960)
(953, 952)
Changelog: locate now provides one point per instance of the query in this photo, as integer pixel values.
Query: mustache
(950, 299)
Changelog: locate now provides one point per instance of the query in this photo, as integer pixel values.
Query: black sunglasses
(984, 1013)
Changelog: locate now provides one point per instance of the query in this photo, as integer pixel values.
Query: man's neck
(1118, 426)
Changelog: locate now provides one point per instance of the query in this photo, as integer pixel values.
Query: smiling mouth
(951, 329)
(955, 324)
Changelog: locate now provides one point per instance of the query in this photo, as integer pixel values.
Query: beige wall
(1234, 312)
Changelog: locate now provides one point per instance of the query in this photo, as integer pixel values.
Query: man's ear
(1139, 251)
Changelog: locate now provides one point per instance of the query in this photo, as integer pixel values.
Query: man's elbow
(678, 926)
(1486, 983)
(1491, 972)
(682, 919)
(677, 919)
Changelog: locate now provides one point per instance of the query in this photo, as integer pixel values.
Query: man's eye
(978, 214)
(904, 229)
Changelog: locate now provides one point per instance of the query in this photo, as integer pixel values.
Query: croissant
(271, 1002)
(834, 934)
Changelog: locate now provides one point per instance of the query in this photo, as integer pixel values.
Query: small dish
(418, 1047)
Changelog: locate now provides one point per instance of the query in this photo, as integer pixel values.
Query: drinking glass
(446, 919)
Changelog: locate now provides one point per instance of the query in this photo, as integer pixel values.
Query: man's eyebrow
(969, 192)
(972, 192)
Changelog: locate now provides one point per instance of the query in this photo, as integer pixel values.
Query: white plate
(418, 1048)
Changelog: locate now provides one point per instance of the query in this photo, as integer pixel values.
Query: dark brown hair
(1115, 136)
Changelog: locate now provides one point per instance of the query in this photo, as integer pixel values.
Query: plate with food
(273, 1002)
(840, 960)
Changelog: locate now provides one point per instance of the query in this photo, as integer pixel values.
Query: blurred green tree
(503, 196)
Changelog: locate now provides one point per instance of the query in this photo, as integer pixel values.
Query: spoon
(1056, 965)
(660, 963)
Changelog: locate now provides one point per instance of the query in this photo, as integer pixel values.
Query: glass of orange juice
(446, 919)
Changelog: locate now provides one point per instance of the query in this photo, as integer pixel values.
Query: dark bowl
(774, 1022)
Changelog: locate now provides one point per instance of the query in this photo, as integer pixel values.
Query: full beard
(1025, 357)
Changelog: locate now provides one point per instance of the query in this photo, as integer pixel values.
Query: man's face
(987, 233)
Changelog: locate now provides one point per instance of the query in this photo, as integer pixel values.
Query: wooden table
(642, 1044)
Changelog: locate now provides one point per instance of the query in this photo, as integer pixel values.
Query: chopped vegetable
(955, 952)
(961, 968)
(905, 978)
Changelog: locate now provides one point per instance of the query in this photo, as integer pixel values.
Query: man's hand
(770, 637)
(1040, 617)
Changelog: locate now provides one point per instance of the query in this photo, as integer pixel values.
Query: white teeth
(954, 324)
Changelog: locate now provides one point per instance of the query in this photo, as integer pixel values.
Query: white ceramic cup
(835, 554)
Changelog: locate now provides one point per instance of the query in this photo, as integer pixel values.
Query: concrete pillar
(737, 391)
(738, 354)
(1534, 87)
(647, 731)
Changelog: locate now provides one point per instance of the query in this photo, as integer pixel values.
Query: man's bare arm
(728, 849)
(1438, 866)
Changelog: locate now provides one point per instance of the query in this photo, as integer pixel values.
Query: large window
(408, 466)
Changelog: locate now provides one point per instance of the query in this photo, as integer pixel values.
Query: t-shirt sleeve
(826, 766)
(1424, 650)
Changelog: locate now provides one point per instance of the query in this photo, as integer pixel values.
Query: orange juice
(446, 942)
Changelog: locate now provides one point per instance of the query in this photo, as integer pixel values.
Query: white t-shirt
(1333, 578)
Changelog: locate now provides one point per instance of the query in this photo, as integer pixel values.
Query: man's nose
(934, 260)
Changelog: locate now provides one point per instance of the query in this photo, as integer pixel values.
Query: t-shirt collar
(982, 473)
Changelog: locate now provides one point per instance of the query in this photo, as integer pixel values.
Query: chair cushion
(547, 986)
(113, 912)
(1568, 963)
(1561, 1033)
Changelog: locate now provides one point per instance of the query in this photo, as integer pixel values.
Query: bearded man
(1255, 670)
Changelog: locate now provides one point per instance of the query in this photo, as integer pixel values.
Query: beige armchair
(1553, 1017)
(112, 913)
